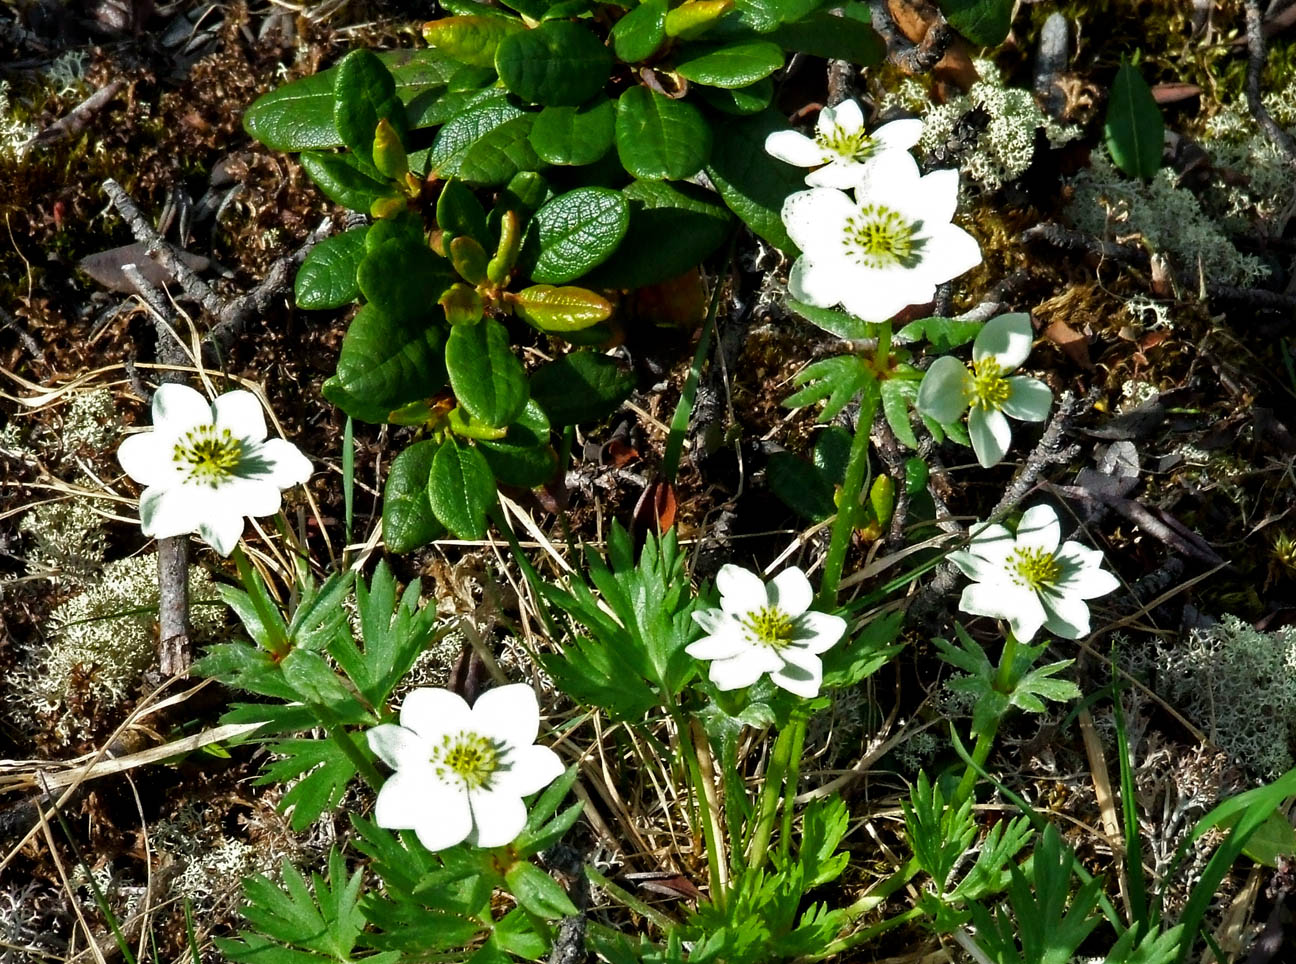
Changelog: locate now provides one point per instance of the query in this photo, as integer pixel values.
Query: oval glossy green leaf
(471, 39)
(523, 457)
(485, 145)
(574, 135)
(485, 375)
(661, 139)
(640, 33)
(1134, 130)
(822, 34)
(984, 22)
(753, 183)
(404, 280)
(461, 489)
(327, 278)
(558, 64)
(464, 129)
(363, 94)
(459, 213)
(765, 15)
(299, 116)
(745, 100)
(408, 520)
(345, 178)
(583, 386)
(733, 65)
(575, 232)
(692, 218)
(561, 309)
(384, 364)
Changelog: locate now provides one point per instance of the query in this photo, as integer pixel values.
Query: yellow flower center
(209, 456)
(471, 757)
(770, 626)
(878, 237)
(989, 387)
(1035, 568)
(853, 147)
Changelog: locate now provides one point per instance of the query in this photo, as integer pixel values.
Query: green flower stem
(767, 807)
(343, 738)
(864, 936)
(878, 895)
(1005, 682)
(857, 468)
(798, 726)
(708, 805)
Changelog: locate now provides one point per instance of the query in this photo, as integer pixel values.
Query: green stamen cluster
(989, 387)
(856, 147)
(1036, 568)
(209, 455)
(878, 237)
(770, 626)
(471, 757)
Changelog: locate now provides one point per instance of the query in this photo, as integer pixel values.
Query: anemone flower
(841, 149)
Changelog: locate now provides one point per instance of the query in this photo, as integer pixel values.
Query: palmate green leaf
(823, 827)
(385, 364)
(301, 922)
(324, 772)
(327, 278)
(898, 397)
(938, 834)
(851, 661)
(299, 116)
(732, 65)
(943, 334)
(822, 34)
(658, 138)
(1134, 129)
(346, 179)
(1052, 921)
(672, 228)
(243, 667)
(1155, 947)
(834, 380)
(364, 93)
(408, 520)
(574, 135)
(984, 22)
(641, 32)
(537, 892)
(753, 184)
(461, 489)
(485, 375)
(575, 232)
(515, 933)
(583, 386)
(558, 64)
(989, 875)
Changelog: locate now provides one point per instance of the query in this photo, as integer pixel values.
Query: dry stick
(910, 57)
(27, 339)
(175, 652)
(75, 121)
(1255, 64)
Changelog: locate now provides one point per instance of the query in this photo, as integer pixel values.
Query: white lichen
(1239, 685)
(65, 538)
(66, 74)
(14, 133)
(91, 423)
(1005, 146)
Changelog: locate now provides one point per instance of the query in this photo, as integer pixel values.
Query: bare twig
(1259, 298)
(1255, 64)
(910, 57)
(75, 121)
(1077, 242)
(25, 337)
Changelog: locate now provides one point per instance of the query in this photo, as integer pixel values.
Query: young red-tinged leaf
(695, 17)
(462, 304)
(469, 259)
(388, 151)
(560, 309)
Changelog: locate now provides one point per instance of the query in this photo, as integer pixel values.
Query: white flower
(206, 466)
(461, 773)
(763, 628)
(886, 249)
(1028, 580)
(841, 144)
(950, 388)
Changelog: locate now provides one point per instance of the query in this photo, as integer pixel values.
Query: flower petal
(790, 591)
(1082, 573)
(1008, 339)
(818, 632)
(739, 671)
(1018, 605)
(795, 148)
(943, 393)
(899, 135)
(887, 179)
(410, 794)
(876, 294)
(846, 116)
(530, 768)
(991, 435)
(821, 284)
(178, 409)
(978, 569)
(741, 591)
(1029, 399)
(510, 713)
(722, 645)
(949, 252)
(148, 458)
(431, 712)
(167, 512)
(1039, 529)
(241, 413)
(1067, 616)
(283, 463)
(222, 531)
(816, 219)
(842, 173)
(497, 817)
(245, 497)
(397, 747)
(450, 823)
(937, 197)
(801, 678)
